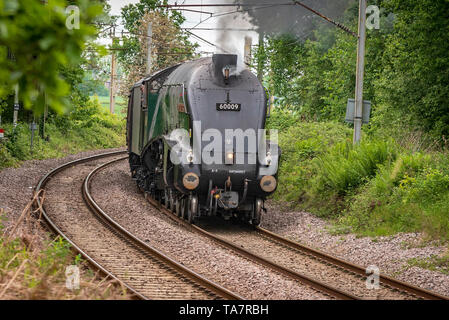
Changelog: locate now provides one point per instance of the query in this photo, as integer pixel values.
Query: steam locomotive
(196, 141)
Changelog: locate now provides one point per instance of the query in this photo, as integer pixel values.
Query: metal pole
(33, 128)
(149, 44)
(45, 114)
(43, 118)
(112, 89)
(358, 112)
(16, 105)
(112, 86)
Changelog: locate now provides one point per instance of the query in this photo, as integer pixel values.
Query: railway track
(317, 264)
(334, 276)
(322, 288)
(354, 269)
(323, 272)
(149, 274)
(142, 269)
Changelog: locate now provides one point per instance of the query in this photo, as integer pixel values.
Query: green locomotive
(195, 139)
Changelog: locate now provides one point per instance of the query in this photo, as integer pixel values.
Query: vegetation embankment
(380, 187)
(397, 179)
(35, 266)
(88, 127)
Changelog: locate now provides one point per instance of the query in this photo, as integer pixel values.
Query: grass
(407, 195)
(380, 187)
(434, 263)
(33, 267)
(88, 128)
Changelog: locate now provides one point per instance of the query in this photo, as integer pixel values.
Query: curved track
(304, 279)
(337, 263)
(323, 272)
(142, 269)
(150, 274)
(316, 264)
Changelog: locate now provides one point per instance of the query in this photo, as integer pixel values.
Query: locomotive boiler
(196, 141)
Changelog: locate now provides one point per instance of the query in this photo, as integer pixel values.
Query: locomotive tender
(196, 141)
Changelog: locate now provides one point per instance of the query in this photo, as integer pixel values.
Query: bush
(282, 119)
(408, 195)
(379, 187)
(300, 144)
(35, 268)
(344, 167)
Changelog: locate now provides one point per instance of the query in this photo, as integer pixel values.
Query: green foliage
(301, 142)
(170, 44)
(397, 179)
(407, 195)
(37, 36)
(406, 67)
(415, 74)
(375, 188)
(132, 13)
(345, 167)
(37, 270)
(54, 254)
(49, 262)
(87, 128)
(121, 104)
(281, 119)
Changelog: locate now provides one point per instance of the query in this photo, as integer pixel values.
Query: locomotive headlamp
(229, 157)
(226, 73)
(190, 181)
(269, 158)
(268, 183)
(190, 156)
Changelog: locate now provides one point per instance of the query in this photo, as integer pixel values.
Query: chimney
(222, 65)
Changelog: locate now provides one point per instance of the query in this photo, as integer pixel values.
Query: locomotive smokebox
(223, 65)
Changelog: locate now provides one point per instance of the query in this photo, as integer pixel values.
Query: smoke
(277, 17)
(232, 41)
(272, 17)
(293, 19)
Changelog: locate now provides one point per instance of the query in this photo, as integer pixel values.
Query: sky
(193, 18)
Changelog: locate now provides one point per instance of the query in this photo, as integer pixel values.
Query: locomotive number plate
(229, 106)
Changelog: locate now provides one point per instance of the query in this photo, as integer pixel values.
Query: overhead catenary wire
(220, 29)
(251, 9)
(170, 6)
(337, 24)
(206, 41)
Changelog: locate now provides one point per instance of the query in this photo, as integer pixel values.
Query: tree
(415, 77)
(170, 45)
(41, 44)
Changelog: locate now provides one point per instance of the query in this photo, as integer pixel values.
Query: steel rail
(386, 280)
(49, 222)
(322, 287)
(318, 285)
(220, 292)
(188, 273)
(352, 267)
